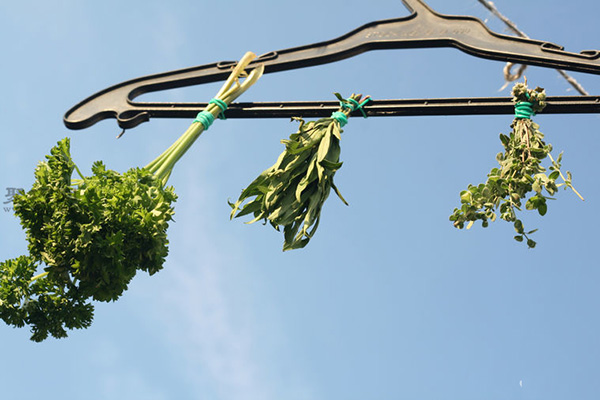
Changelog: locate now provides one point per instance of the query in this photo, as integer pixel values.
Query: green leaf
(339, 96)
(249, 208)
(554, 175)
(518, 225)
(330, 165)
(536, 186)
(530, 204)
(323, 148)
(542, 209)
(465, 196)
(336, 190)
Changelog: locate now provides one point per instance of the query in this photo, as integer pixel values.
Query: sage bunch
(520, 179)
(291, 193)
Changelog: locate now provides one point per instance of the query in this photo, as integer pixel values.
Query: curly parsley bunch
(88, 237)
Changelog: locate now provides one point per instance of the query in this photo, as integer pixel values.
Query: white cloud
(129, 385)
(116, 381)
(213, 336)
(213, 342)
(208, 320)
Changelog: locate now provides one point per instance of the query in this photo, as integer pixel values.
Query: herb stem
(567, 182)
(162, 166)
(35, 278)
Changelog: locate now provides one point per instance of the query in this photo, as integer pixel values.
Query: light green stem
(568, 183)
(162, 166)
(35, 278)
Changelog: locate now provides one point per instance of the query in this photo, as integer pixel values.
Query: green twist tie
(222, 105)
(349, 103)
(354, 105)
(205, 118)
(360, 106)
(340, 117)
(524, 109)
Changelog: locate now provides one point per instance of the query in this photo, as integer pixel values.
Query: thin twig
(513, 27)
(567, 182)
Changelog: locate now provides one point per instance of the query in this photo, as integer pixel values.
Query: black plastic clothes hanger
(424, 28)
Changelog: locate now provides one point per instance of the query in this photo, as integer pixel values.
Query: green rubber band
(205, 118)
(524, 109)
(340, 117)
(349, 103)
(360, 106)
(354, 105)
(221, 104)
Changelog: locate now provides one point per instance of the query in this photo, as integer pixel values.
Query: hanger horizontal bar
(375, 108)
(412, 107)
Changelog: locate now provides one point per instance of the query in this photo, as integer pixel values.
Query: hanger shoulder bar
(425, 28)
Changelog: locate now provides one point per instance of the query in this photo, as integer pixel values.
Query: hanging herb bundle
(292, 192)
(520, 178)
(90, 236)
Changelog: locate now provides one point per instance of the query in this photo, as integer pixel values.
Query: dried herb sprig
(519, 175)
(292, 192)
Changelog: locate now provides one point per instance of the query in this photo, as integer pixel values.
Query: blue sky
(388, 301)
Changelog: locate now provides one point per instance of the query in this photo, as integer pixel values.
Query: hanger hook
(417, 7)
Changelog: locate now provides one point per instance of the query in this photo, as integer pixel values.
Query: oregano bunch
(520, 179)
(292, 192)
